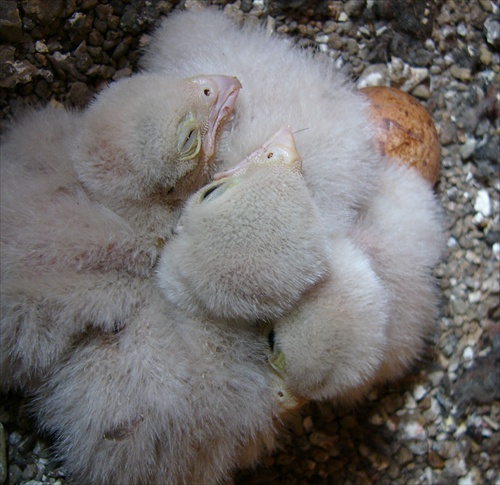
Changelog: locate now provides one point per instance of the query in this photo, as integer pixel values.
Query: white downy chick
(283, 85)
(168, 399)
(250, 243)
(248, 238)
(346, 177)
(177, 396)
(367, 323)
(86, 203)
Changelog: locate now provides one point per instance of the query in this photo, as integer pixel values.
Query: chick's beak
(280, 148)
(228, 89)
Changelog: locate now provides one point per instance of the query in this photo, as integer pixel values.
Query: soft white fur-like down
(176, 396)
(188, 400)
(248, 245)
(87, 200)
(282, 86)
(367, 323)
(183, 402)
(386, 218)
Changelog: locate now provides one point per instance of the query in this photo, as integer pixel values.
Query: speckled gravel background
(441, 425)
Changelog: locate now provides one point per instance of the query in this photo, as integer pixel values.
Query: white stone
(492, 424)
(496, 251)
(59, 57)
(419, 392)
(467, 149)
(435, 377)
(491, 285)
(483, 203)
(415, 431)
(374, 75)
(447, 31)
(75, 18)
(460, 431)
(472, 257)
(468, 353)
(410, 403)
(41, 47)
(492, 28)
(478, 219)
(429, 44)
(322, 39)
(472, 478)
(462, 29)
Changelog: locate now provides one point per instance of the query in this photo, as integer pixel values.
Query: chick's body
(250, 244)
(176, 396)
(367, 322)
(367, 318)
(87, 202)
(182, 402)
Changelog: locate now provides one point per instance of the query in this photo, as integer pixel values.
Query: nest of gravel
(442, 423)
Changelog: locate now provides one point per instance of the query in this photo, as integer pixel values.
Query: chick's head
(250, 243)
(153, 136)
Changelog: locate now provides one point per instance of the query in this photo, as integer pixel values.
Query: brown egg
(405, 130)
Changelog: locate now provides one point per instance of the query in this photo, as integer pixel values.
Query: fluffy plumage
(176, 396)
(87, 202)
(367, 320)
(249, 244)
(168, 399)
(179, 397)
(282, 86)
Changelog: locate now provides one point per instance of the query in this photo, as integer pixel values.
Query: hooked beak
(281, 147)
(228, 90)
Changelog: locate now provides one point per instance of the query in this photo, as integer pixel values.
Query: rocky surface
(441, 424)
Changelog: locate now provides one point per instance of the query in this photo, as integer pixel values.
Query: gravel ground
(441, 425)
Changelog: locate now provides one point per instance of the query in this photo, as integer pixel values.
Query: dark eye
(217, 188)
(209, 191)
(213, 192)
(189, 139)
(207, 92)
(271, 339)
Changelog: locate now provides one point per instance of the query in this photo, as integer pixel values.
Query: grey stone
(17, 72)
(84, 60)
(43, 12)
(11, 28)
(79, 94)
(492, 31)
(354, 8)
(351, 46)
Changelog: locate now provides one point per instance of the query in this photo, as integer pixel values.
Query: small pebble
(415, 431)
(419, 392)
(483, 203)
